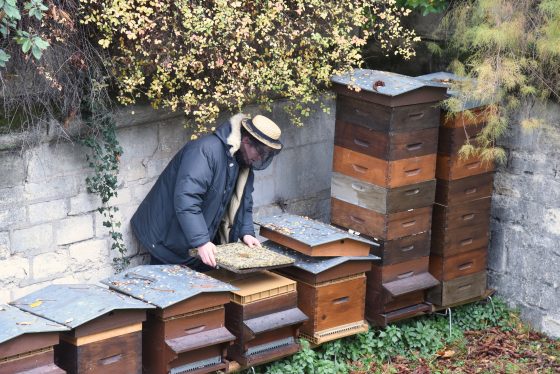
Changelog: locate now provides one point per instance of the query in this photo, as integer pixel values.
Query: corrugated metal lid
(15, 322)
(382, 82)
(445, 79)
(307, 230)
(315, 265)
(75, 304)
(165, 285)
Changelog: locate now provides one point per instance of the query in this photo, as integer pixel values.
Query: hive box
(105, 327)
(263, 315)
(185, 333)
(27, 342)
(312, 237)
(458, 291)
(331, 291)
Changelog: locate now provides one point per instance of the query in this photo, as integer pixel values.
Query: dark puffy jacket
(184, 208)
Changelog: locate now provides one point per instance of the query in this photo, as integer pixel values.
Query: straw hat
(264, 130)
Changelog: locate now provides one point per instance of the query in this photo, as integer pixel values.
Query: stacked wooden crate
(383, 182)
(263, 315)
(461, 217)
(105, 327)
(185, 333)
(331, 290)
(26, 342)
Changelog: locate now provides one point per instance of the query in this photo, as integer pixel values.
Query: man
(203, 197)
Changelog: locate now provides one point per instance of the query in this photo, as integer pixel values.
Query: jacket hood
(230, 132)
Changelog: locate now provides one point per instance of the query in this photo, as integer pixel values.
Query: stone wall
(524, 257)
(50, 231)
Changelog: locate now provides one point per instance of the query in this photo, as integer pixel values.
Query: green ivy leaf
(4, 57)
(37, 53)
(26, 46)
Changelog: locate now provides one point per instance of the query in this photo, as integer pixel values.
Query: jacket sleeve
(194, 178)
(247, 227)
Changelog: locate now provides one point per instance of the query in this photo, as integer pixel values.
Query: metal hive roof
(165, 285)
(15, 322)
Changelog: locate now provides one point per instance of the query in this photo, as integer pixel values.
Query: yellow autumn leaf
(36, 303)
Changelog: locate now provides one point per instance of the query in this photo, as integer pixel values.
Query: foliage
(512, 50)
(104, 161)
(426, 6)
(420, 338)
(205, 56)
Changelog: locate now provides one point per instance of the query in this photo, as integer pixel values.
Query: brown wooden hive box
(449, 242)
(459, 290)
(106, 327)
(379, 199)
(264, 317)
(454, 167)
(403, 249)
(475, 212)
(388, 146)
(451, 139)
(464, 189)
(451, 267)
(389, 174)
(478, 116)
(26, 342)
(397, 291)
(381, 226)
(186, 332)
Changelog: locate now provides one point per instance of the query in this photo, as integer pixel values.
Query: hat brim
(260, 136)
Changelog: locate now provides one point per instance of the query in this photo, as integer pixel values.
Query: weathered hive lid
(445, 79)
(165, 285)
(388, 88)
(312, 237)
(72, 305)
(315, 265)
(15, 322)
(258, 286)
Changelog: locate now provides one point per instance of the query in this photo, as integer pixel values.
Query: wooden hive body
(379, 199)
(451, 267)
(464, 190)
(459, 290)
(27, 342)
(470, 213)
(264, 318)
(452, 167)
(403, 249)
(186, 331)
(382, 226)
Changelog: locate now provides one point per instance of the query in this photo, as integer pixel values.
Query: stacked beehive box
(263, 315)
(331, 290)
(185, 333)
(26, 342)
(105, 327)
(383, 182)
(461, 217)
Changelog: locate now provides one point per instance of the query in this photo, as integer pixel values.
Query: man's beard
(241, 160)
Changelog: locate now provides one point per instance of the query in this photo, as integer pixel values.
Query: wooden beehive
(459, 290)
(451, 267)
(379, 199)
(185, 333)
(27, 342)
(464, 190)
(403, 249)
(105, 327)
(312, 237)
(263, 315)
(383, 226)
(331, 291)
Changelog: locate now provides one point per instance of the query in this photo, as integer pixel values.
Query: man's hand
(251, 241)
(207, 254)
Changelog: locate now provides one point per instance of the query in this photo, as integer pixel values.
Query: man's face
(255, 154)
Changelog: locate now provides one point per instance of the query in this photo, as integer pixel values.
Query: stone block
(47, 211)
(530, 163)
(551, 325)
(13, 169)
(13, 270)
(140, 190)
(11, 196)
(56, 188)
(133, 170)
(102, 231)
(54, 160)
(11, 217)
(48, 265)
(74, 229)
(172, 137)
(155, 166)
(5, 296)
(551, 221)
(90, 254)
(4, 245)
(84, 203)
(138, 142)
(39, 236)
(497, 253)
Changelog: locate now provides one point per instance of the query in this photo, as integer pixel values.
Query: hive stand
(26, 342)
(263, 315)
(461, 216)
(383, 182)
(311, 237)
(185, 333)
(105, 327)
(331, 291)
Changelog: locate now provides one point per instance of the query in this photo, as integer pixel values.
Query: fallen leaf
(36, 303)
(69, 320)
(24, 323)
